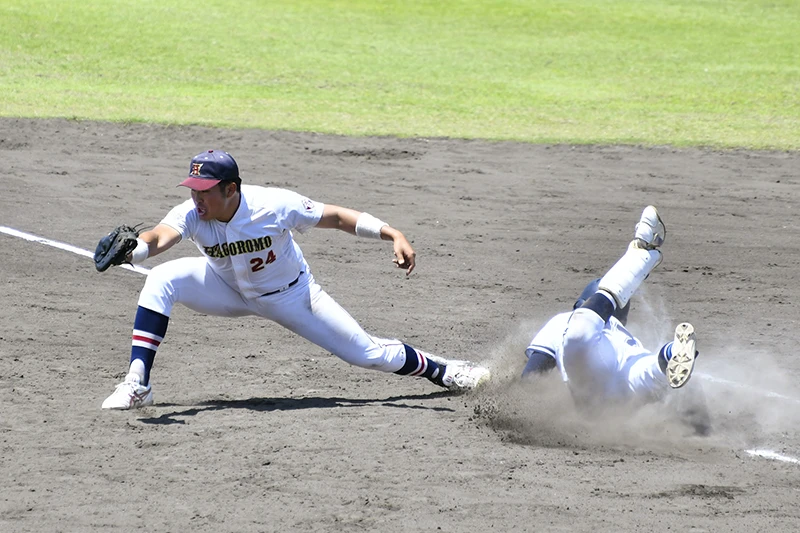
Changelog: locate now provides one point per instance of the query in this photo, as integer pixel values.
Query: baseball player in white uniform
(251, 265)
(598, 358)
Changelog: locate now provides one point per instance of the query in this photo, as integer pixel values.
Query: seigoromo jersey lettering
(249, 246)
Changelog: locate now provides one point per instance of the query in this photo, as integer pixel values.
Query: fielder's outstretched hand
(404, 254)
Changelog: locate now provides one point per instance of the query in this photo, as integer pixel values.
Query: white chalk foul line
(738, 385)
(758, 452)
(769, 454)
(63, 246)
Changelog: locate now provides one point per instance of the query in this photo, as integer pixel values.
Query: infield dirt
(256, 429)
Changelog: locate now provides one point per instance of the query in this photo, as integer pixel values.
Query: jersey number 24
(259, 263)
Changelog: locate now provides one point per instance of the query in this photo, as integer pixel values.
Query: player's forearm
(159, 239)
(357, 223)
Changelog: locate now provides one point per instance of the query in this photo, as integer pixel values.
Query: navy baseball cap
(209, 168)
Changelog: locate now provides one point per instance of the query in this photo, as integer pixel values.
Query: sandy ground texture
(256, 429)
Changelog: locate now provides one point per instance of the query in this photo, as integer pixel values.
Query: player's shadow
(290, 404)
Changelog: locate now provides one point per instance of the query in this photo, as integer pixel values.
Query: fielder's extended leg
(149, 329)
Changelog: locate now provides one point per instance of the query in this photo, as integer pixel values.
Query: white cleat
(464, 375)
(650, 231)
(130, 394)
(681, 364)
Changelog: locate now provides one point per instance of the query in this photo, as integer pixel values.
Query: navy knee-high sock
(417, 364)
(601, 303)
(149, 329)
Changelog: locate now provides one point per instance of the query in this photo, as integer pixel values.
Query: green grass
(723, 73)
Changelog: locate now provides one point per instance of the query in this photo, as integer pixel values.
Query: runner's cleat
(650, 231)
(681, 363)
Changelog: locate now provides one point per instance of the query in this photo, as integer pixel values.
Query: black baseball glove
(113, 249)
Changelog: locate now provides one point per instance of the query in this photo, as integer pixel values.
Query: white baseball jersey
(599, 358)
(254, 252)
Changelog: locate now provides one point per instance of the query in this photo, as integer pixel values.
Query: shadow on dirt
(290, 404)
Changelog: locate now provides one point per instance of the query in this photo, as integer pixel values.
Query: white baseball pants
(304, 308)
(604, 363)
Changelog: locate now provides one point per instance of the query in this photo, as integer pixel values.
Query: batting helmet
(591, 288)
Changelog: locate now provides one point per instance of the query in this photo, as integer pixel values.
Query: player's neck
(230, 210)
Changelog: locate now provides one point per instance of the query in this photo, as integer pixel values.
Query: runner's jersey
(550, 340)
(254, 252)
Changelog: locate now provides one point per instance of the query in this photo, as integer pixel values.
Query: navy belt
(292, 284)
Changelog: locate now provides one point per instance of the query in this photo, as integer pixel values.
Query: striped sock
(417, 364)
(149, 329)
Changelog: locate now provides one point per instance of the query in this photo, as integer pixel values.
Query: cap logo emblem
(196, 169)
